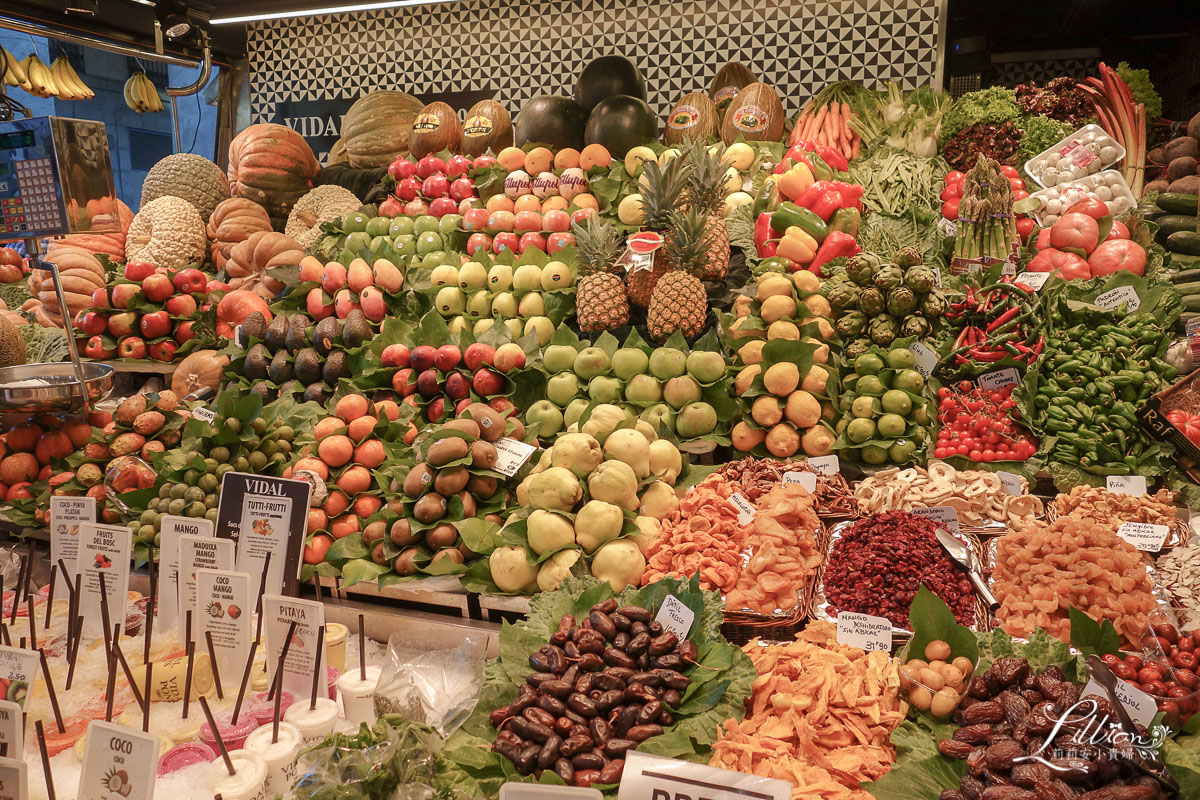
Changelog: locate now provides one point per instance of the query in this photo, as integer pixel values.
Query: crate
(1153, 418)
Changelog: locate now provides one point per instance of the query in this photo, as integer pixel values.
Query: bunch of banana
(44, 84)
(140, 94)
(14, 71)
(70, 85)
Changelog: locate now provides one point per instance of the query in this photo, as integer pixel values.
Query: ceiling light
(175, 23)
(309, 12)
(85, 7)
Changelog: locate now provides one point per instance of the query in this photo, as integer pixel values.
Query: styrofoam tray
(1108, 186)
(1085, 152)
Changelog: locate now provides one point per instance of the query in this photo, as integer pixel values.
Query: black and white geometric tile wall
(516, 49)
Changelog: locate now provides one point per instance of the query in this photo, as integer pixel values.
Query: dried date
(952, 748)
(974, 734)
(990, 712)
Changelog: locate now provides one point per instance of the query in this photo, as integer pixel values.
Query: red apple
(458, 165)
(122, 324)
(556, 220)
(217, 286)
(100, 298)
(436, 409)
(190, 280)
(422, 357)
(138, 270)
(475, 219)
(501, 220)
(448, 357)
(90, 322)
(557, 241)
(527, 221)
(579, 216)
(402, 168)
(429, 165)
(184, 332)
(391, 207)
(395, 355)
(462, 188)
(529, 240)
(408, 189)
(435, 186)
(504, 241)
(131, 347)
(155, 325)
(487, 383)
(509, 357)
(428, 384)
(403, 383)
(458, 386)
(163, 351)
(124, 294)
(478, 355)
(478, 243)
(416, 208)
(181, 305)
(99, 347)
(503, 405)
(441, 206)
(483, 162)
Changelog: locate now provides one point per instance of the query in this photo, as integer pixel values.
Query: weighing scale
(55, 179)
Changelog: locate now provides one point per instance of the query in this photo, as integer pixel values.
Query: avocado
(265, 390)
(257, 359)
(289, 388)
(308, 366)
(280, 369)
(276, 336)
(297, 336)
(335, 368)
(355, 329)
(253, 326)
(317, 392)
(326, 334)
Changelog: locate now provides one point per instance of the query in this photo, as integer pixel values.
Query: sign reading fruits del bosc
(320, 121)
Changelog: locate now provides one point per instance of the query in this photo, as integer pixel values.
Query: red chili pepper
(980, 354)
(764, 236)
(1037, 348)
(1003, 318)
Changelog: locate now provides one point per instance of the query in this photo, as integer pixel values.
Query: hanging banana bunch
(141, 95)
(14, 71)
(70, 85)
(43, 83)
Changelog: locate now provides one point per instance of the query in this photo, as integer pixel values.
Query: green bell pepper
(790, 214)
(846, 220)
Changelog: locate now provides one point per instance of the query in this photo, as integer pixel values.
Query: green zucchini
(1186, 242)
(1191, 303)
(1176, 203)
(1186, 276)
(1173, 223)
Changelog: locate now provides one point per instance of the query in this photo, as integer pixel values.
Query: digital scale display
(16, 140)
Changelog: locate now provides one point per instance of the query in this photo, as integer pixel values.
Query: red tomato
(1009, 172)
(1067, 266)
(314, 553)
(950, 208)
(954, 176)
(1076, 231)
(1091, 206)
(1019, 194)
(952, 191)
(1043, 239)
(1118, 254)
(1119, 231)
(1017, 184)
(1024, 227)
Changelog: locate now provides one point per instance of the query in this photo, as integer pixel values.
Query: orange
(585, 200)
(317, 520)
(511, 158)
(539, 159)
(554, 203)
(327, 426)
(361, 428)
(567, 157)
(369, 453)
(351, 407)
(354, 480)
(336, 450)
(594, 155)
(313, 465)
(499, 202)
(336, 503)
(387, 408)
(367, 504)
(527, 202)
(344, 526)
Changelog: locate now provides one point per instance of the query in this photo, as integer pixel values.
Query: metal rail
(100, 44)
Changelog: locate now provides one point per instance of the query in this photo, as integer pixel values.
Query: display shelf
(144, 367)
(444, 593)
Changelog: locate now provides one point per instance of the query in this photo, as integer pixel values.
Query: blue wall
(106, 74)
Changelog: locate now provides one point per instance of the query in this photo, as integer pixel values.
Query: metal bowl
(58, 390)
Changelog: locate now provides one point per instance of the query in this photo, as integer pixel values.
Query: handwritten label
(12, 726)
(648, 777)
(14, 779)
(66, 514)
(864, 631)
(806, 479)
(1010, 482)
(204, 414)
(826, 465)
(1115, 297)
(946, 515)
(745, 508)
(1143, 535)
(674, 616)
(1132, 485)
(1034, 280)
(20, 668)
(1141, 706)
(1000, 379)
(118, 762)
(511, 455)
(926, 360)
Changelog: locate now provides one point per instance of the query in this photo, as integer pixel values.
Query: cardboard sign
(674, 616)
(66, 514)
(1143, 535)
(544, 791)
(104, 549)
(926, 359)
(14, 779)
(19, 666)
(12, 727)
(225, 609)
(864, 631)
(118, 762)
(648, 777)
(1034, 280)
(511, 455)
(278, 614)
(947, 516)
(745, 508)
(806, 479)
(197, 553)
(1132, 485)
(1141, 706)
(265, 515)
(1000, 379)
(826, 465)
(1115, 297)
(170, 529)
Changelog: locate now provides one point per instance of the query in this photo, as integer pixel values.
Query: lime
(869, 384)
(909, 380)
(355, 221)
(860, 430)
(891, 426)
(134, 526)
(259, 425)
(901, 451)
(241, 464)
(868, 364)
(401, 226)
(146, 533)
(901, 358)
(873, 454)
(849, 381)
(896, 402)
(269, 447)
(279, 458)
(193, 494)
(448, 224)
(191, 476)
(864, 406)
(920, 414)
(177, 506)
(211, 515)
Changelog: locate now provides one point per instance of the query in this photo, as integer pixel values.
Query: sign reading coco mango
(265, 515)
(223, 602)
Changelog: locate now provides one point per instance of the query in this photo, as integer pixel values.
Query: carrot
(846, 132)
(820, 118)
(854, 147)
(831, 126)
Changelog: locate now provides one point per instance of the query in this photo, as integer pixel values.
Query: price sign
(204, 414)
(864, 631)
(224, 601)
(309, 615)
(947, 516)
(66, 515)
(826, 465)
(745, 508)
(1034, 280)
(674, 616)
(1141, 706)
(806, 479)
(1132, 485)
(197, 553)
(265, 515)
(12, 733)
(14, 779)
(104, 550)
(1010, 482)
(118, 761)
(541, 791)
(926, 359)
(1143, 535)
(20, 668)
(511, 455)
(1000, 379)
(171, 529)
(1115, 297)
(648, 777)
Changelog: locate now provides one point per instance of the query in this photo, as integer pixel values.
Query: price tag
(265, 515)
(118, 761)
(12, 731)
(103, 550)
(1000, 379)
(1115, 297)
(171, 528)
(204, 414)
(225, 610)
(197, 553)
(947, 516)
(648, 777)
(1132, 485)
(14, 779)
(1010, 482)
(511, 455)
(745, 508)
(864, 631)
(278, 614)
(1143, 535)
(1034, 280)
(66, 514)
(948, 228)
(926, 359)
(21, 668)
(1141, 706)
(937, 277)
(826, 465)
(806, 479)
(674, 616)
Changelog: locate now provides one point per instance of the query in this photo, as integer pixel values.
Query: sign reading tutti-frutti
(305, 72)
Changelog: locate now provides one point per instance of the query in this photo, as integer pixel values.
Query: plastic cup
(358, 695)
(249, 778)
(331, 676)
(280, 755)
(335, 645)
(315, 724)
(184, 755)
(258, 673)
(56, 742)
(263, 709)
(234, 736)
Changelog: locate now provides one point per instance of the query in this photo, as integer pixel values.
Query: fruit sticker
(478, 125)
(750, 119)
(427, 123)
(723, 98)
(684, 117)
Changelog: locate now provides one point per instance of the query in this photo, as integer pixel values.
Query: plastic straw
(4, 635)
(32, 622)
(133, 687)
(212, 723)
(262, 588)
(277, 684)
(66, 573)
(41, 736)
(58, 718)
(75, 625)
(12, 618)
(275, 721)
(316, 684)
(112, 683)
(237, 708)
(187, 686)
(149, 623)
(146, 706)
(104, 609)
(362, 650)
(50, 596)
(212, 656)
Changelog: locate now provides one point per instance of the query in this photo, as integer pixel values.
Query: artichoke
(909, 256)
(851, 325)
(843, 294)
(857, 348)
(861, 268)
(888, 277)
(914, 325)
(920, 279)
(934, 305)
(870, 301)
(901, 301)
(882, 329)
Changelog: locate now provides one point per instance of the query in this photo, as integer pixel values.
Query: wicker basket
(1178, 531)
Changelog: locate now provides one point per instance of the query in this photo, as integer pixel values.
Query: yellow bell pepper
(793, 182)
(797, 245)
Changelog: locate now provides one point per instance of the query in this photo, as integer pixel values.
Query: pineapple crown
(663, 188)
(688, 240)
(597, 244)
(706, 177)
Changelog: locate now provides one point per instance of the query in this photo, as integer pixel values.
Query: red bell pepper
(822, 198)
(851, 194)
(836, 245)
(766, 241)
(831, 157)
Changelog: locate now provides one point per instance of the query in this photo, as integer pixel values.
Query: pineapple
(679, 302)
(663, 189)
(600, 301)
(706, 191)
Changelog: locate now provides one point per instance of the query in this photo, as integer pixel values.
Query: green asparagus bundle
(987, 227)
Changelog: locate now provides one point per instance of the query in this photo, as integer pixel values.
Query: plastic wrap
(393, 760)
(431, 680)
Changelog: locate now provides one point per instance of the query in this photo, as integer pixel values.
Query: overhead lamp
(82, 7)
(173, 18)
(311, 12)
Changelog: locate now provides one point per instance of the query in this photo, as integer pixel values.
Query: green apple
(575, 410)
(562, 388)
(449, 223)
(643, 390)
(590, 362)
(557, 357)
(706, 366)
(355, 221)
(629, 361)
(695, 419)
(401, 226)
(404, 244)
(680, 391)
(546, 416)
(659, 414)
(604, 389)
(667, 362)
(425, 224)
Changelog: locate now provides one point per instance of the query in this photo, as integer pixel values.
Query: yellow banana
(39, 74)
(130, 92)
(65, 90)
(81, 88)
(17, 71)
(150, 94)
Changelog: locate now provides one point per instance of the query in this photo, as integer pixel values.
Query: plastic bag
(430, 679)
(393, 760)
